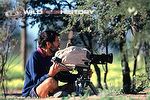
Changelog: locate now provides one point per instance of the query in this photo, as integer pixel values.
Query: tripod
(84, 77)
(84, 81)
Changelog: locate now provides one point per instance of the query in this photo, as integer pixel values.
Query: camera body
(81, 61)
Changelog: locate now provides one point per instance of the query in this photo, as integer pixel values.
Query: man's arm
(35, 68)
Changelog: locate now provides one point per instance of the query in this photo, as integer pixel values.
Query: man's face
(53, 47)
(56, 44)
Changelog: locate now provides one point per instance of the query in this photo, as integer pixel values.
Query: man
(41, 74)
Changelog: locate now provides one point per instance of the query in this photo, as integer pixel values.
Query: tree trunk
(106, 65)
(126, 74)
(23, 42)
(147, 58)
(125, 65)
(136, 53)
(23, 39)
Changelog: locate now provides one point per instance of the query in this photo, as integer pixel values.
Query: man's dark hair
(47, 36)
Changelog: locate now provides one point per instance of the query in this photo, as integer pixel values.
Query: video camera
(80, 59)
(84, 76)
(94, 59)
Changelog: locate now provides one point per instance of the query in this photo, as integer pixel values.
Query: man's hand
(55, 68)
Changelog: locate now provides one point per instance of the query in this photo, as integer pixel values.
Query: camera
(101, 59)
(83, 79)
(80, 59)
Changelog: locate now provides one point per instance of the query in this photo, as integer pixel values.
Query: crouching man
(41, 74)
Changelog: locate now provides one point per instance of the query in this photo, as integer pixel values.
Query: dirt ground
(144, 95)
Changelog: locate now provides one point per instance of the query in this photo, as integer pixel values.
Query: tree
(138, 21)
(51, 17)
(7, 43)
(92, 27)
(114, 20)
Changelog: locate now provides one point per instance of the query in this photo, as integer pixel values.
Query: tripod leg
(93, 88)
(98, 73)
(78, 88)
(105, 75)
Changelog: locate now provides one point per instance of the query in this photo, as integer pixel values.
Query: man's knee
(51, 82)
(47, 86)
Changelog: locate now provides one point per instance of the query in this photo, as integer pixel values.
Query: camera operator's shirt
(36, 71)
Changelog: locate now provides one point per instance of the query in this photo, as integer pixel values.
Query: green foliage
(15, 84)
(112, 20)
(142, 82)
(15, 73)
(7, 43)
(49, 20)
